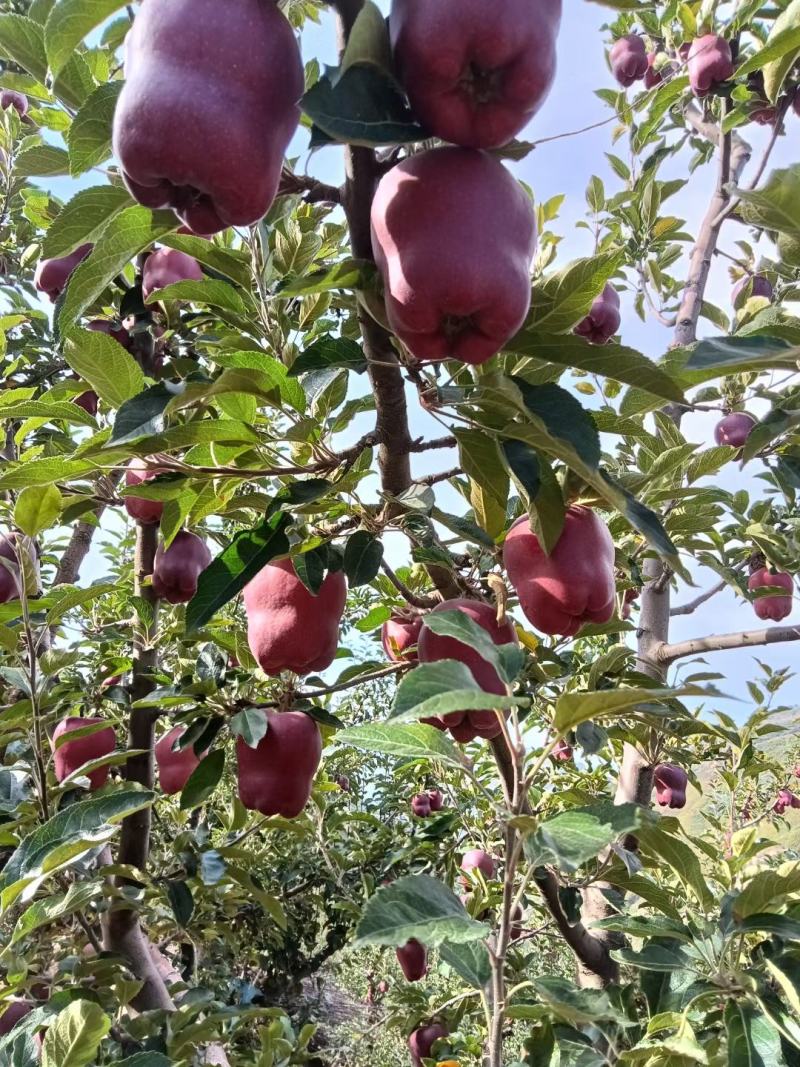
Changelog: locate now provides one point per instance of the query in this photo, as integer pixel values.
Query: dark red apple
(13, 1012)
(670, 785)
(119, 333)
(574, 584)
(275, 778)
(88, 401)
(475, 73)
(563, 751)
(775, 607)
(177, 569)
(422, 1040)
(399, 636)
(147, 512)
(421, 805)
(786, 799)
(628, 58)
(166, 267)
(734, 429)
(71, 755)
(754, 285)
(652, 77)
(209, 106)
(413, 959)
(288, 628)
(51, 275)
(11, 98)
(436, 799)
(175, 766)
(710, 63)
(604, 318)
(454, 236)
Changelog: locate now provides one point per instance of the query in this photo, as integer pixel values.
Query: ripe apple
(670, 784)
(166, 267)
(734, 429)
(454, 236)
(753, 285)
(475, 73)
(176, 569)
(413, 959)
(119, 333)
(399, 636)
(288, 628)
(88, 401)
(275, 778)
(51, 275)
(421, 805)
(628, 600)
(10, 545)
(436, 799)
(516, 929)
(467, 725)
(477, 859)
(604, 318)
(147, 512)
(422, 1040)
(710, 63)
(563, 751)
(343, 782)
(175, 766)
(11, 98)
(628, 59)
(209, 105)
(652, 77)
(772, 607)
(574, 584)
(13, 1012)
(71, 755)
(786, 799)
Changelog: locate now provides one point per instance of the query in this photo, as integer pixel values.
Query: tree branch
(693, 605)
(413, 599)
(667, 654)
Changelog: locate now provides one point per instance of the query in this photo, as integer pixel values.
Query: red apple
(453, 236)
(775, 607)
(413, 959)
(670, 784)
(51, 275)
(13, 1012)
(11, 98)
(604, 318)
(516, 929)
(10, 545)
(477, 859)
(436, 799)
(343, 782)
(288, 628)
(399, 636)
(475, 73)
(574, 584)
(209, 105)
(275, 778)
(87, 401)
(628, 58)
(119, 333)
(710, 63)
(422, 1040)
(421, 805)
(175, 766)
(753, 285)
(734, 429)
(71, 755)
(166, 267)
(786, 799)
(176, 569)
(563, 751)
(147, 512)
(652, 77)
(467, 725)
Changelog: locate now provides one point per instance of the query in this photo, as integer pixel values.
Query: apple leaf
(470, 961)
(83, 218)
(575, 836)
(203, 780)
(420, 907)
(406, 741)
(435, 689)
(363, 106)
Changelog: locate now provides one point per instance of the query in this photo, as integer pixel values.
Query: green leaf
(407, 741)
(181, 901)
(719, 357)
(43, 160)
(364, 107)
(435, 689)
(141, 416)
(481, 460)
(65, 836)
(89, 136)
(210, 291)
(69, 22)
(37, 509)
(51, 909)
(128, 232)
(146, 1059)
(248, 552)
(101, 361)
(73, 1040)
(346, 274)
(752, 1040)
(43, 472)
(784, 28)
(420, 907)
(574, 708)
(227, 261)
(765, 887)
(655, 957)
(539, 488)
(82, 219)
(774, 205)
(203, 780)
(363, 554)
(562, 299)
(663, 846)
(782, 926)
(577, 835)
(22, 40)
(328, 352)
(250, 725)
(575, 1006)
(470, 961)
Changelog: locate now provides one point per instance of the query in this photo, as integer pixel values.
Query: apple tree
(345, 538)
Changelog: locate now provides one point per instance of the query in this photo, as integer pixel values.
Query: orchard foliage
(342, 531)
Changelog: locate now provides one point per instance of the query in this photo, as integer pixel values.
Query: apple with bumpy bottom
(670, 784)
(176, 569)
(628, 59)
(70, 755)
(775, 607)
(276, 776)
(734, 429)
(399, 637)
(422, 1040)
(413, 959)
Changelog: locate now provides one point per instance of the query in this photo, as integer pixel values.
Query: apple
(604, 318)
(753, 285)
(628, 58)
(119, 333)
(563, 751)
(343, 782)
(10, 545)
(786, 799)
(422, 1040)
(146, 512)
(288, 628)
(421, 805)
(176, 569)
(710, 63)
(467, 725)
(516, 929)
(71, 755)
(88, 401)
(275, 777)
(574, 584)
(734, 429)
(475, 73)
(51, 275)
(13, 1012)
(11, 98)
(628, 600)
(454, 234)
(166, 267)
(175, 766)
(399, 636)
(436, 799)
(670, 785)
(209, 105)
(478, 860)
(652, 76)
(413, 959)
(775, 607)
